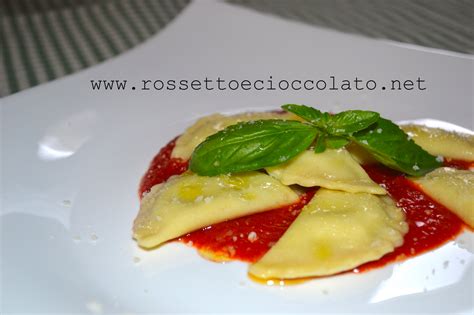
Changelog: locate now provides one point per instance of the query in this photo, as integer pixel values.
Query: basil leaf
(310, 114)
(320, 145)
(392, 147)
(334, 142)
(251, 146)
(350, 121)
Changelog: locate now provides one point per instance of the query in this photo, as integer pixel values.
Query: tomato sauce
(460, 164)
(249, 238)
(162, 167)
(430, 223)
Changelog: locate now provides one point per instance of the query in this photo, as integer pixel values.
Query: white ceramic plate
(72, 159)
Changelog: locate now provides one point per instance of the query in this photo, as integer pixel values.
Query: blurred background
(42, 40)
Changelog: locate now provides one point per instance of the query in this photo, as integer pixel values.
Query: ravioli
(188, 202)
(452, 188)
(359, 154)
(441, 142)
(333, 169)
(336, 231)
(209, 125)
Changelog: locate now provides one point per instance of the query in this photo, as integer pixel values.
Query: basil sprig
(251, 146)
(391, 146)
(257, 144)
(334, 129)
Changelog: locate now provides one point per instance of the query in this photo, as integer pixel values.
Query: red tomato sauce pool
(430, 223)
(162, 167)
(249, 238)
(460, 164)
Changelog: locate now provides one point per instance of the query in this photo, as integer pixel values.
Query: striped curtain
(45, 39)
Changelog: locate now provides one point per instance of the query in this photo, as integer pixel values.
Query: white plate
(72, 159)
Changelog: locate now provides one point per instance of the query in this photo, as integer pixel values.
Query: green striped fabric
(443, 24)
(46, 39)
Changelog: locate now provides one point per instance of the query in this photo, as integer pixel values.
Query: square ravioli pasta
(248, 175)
(336, 231)
(188, 202)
